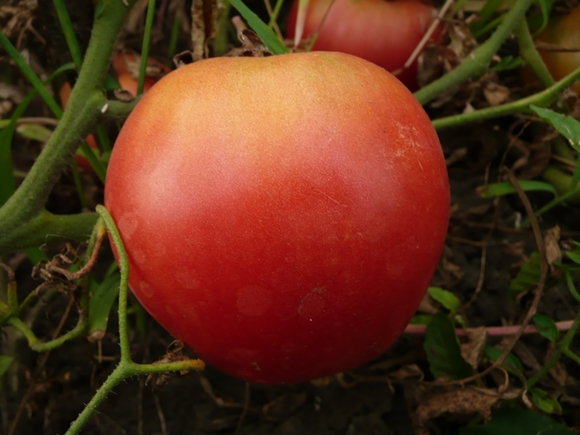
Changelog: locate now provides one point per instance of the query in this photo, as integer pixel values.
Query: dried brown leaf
(409, 372)
(204, 16)
(495, 94)
(459, 402)
(427, 305)
(553, 252)
(472, 351)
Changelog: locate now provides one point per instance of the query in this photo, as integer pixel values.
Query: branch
(478, 61)
(83, 110)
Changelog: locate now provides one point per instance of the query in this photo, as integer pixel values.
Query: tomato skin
(283, 216)
(383, 32)
(565, 32)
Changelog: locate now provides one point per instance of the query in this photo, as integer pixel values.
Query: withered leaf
(472, 351)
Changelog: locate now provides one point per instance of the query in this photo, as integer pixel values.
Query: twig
(427, 34)
(494, 331)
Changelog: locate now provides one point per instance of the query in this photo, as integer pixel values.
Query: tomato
(380, 31)
(564, 32)
(283, 216)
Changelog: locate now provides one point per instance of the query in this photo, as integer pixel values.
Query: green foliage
(265, 33)
(512, 363)
(565, 125)
(519, 422)
(5, 362)
(546, 327)
(505, 188)
(103, 298)
(442, 349)
(527, 277)
(575, 254)
(507, 63)
(445, 298)
(544, 402)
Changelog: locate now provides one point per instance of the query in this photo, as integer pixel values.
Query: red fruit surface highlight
(283, 216)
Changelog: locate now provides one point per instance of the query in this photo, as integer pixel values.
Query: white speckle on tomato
(146, 289)
(127, 225)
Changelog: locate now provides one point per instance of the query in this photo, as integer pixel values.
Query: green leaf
(104, 295)
(267, 35)
(421, 319)
(34, 132)
(565, 125)
(445, 298)
(506, 188)
(5, 362)
(507, 63)
(544, 402)
(485, 14)
(442, 348)
(528, 276)
(511, 362)
(575, 254)
(546, 327)
(519, 422)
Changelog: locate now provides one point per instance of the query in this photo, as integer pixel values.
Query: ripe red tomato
(284, 215)
(564, 32)
(380, 31)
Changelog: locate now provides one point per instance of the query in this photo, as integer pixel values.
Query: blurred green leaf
(575, 254)
(445, 298)
(546, 327)
(442, 348)
(519, 422)
(565, 125)
(5, 362)
(100, 304)
(511, 361)
(528, 276)
(421, 319)
(485, 14)
(507, 63)
(267, 35)
(544, 402)
(34, 132)
(506, 188)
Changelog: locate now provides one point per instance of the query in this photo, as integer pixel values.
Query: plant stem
(542, 99)
(126, 367)
(145, 47)
(563, 347)
(83, 111)
(478, 61)
(530, 53)
(122, 372)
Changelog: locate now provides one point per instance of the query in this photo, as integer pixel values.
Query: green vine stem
(69, 34)
(145, 47)
(12, 316)
(126, 367)
(563, 347)
(83, 111)
(477, 62)
(530, 53)
(542, 99)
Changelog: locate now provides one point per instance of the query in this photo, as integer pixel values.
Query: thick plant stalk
(86, 102)
(478, 61)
